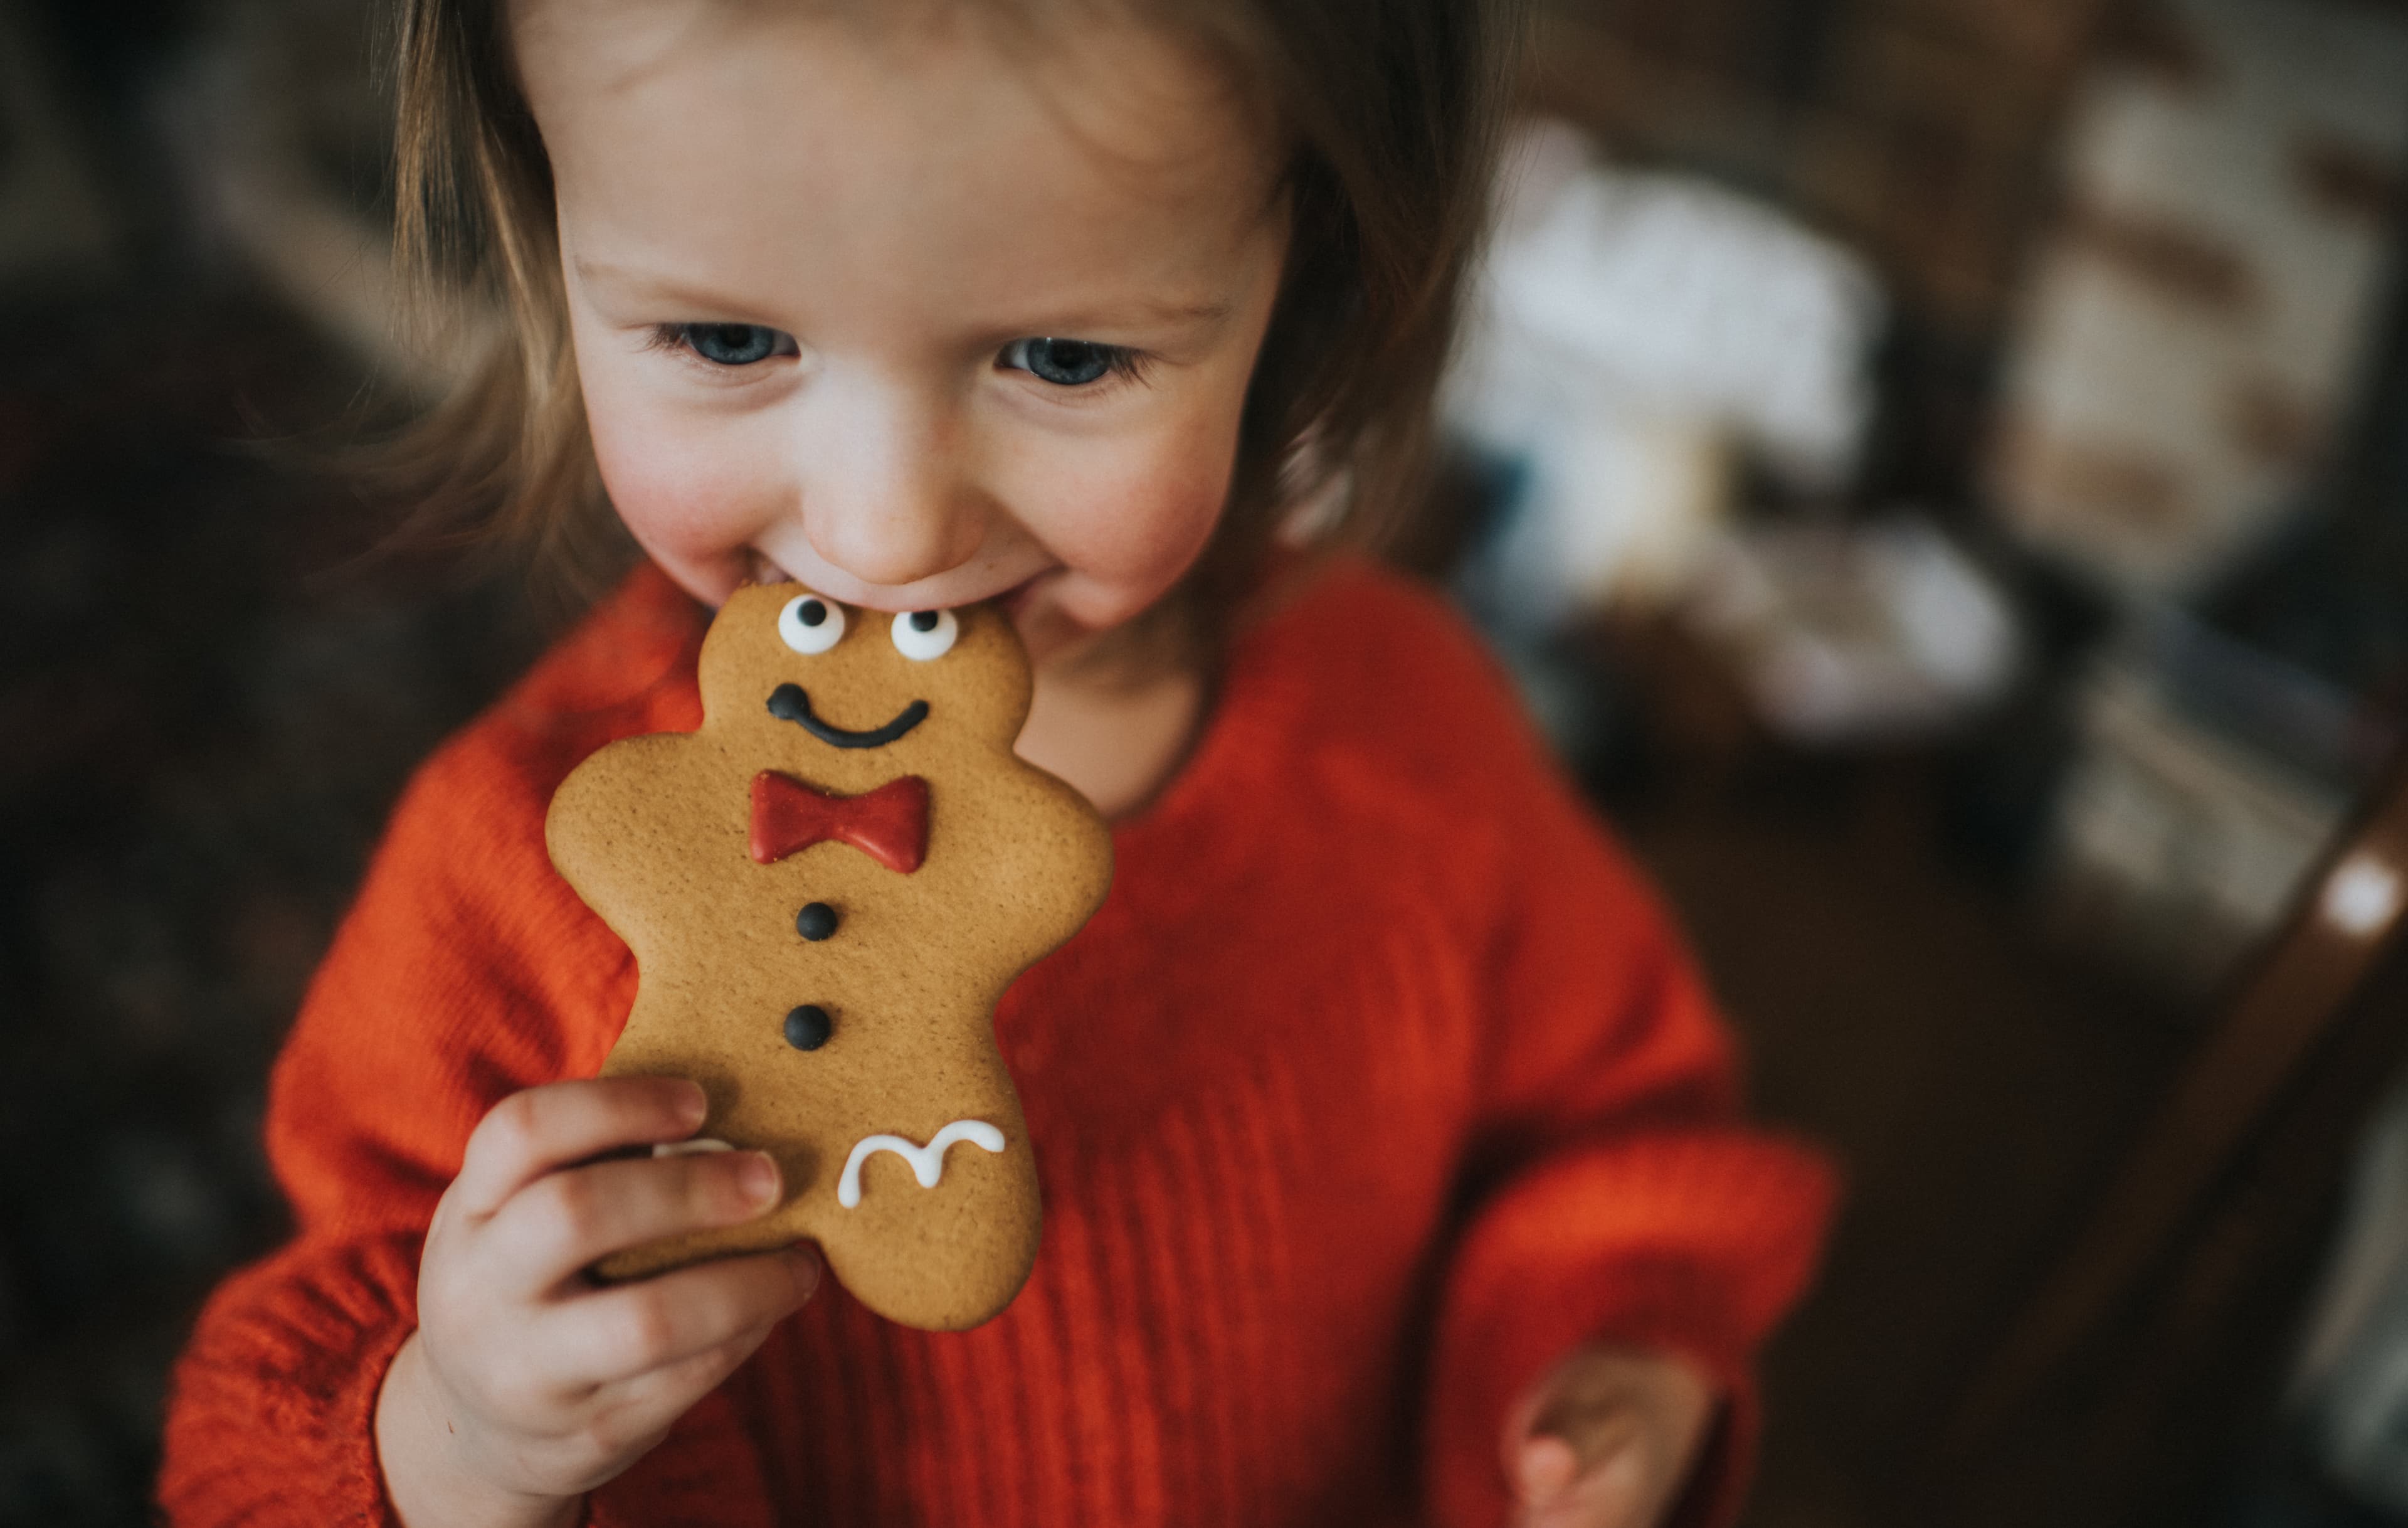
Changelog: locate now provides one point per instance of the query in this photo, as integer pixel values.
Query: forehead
(768, 148)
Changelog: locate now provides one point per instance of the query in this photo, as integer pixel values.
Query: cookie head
(803, 673)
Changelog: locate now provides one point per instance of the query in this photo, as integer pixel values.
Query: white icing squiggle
(927, 1161)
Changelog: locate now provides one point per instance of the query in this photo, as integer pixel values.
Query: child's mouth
(1012, 601)
(759, 569)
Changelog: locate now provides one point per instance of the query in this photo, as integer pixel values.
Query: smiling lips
(789, 702)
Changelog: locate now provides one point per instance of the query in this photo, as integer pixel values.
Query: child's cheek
(1188, 486)
(692, 500)
(1137, 529)
(1187, 496)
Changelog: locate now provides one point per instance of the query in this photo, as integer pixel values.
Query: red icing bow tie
(889, 824)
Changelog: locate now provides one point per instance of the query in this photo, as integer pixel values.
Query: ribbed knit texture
(1379, 1082)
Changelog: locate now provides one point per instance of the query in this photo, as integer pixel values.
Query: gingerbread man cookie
(828, 888)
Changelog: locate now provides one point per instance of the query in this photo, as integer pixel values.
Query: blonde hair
(1390, 109)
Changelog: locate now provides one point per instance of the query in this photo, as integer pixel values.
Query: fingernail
(692, 1106)
(757, 1175)
(805, 1265)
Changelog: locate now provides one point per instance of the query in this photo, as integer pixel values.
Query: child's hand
(1607, 1439)
(526, 1385)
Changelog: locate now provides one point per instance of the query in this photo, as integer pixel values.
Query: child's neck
(1116, 742)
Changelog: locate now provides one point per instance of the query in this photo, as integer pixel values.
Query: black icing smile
(788, 702)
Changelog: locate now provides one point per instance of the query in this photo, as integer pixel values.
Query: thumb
(1610, 1492)
(1544, 1473)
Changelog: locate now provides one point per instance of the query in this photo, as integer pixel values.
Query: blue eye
(1066, 363)
(734, 345)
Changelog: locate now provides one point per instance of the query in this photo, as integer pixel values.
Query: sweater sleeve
(1616, 1196)
(465, 972)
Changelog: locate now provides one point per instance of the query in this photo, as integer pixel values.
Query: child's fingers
(622, 1420)
(1606, 1439)
(680, 1384)
(564, 1223)
(1546, 1470)
(681, 1318)
(1613, 1493)
(544, 1128)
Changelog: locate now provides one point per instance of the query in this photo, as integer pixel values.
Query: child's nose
(885, 495)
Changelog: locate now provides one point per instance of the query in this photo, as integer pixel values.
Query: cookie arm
(1622, 1200)
(621, 785)
(466, 971)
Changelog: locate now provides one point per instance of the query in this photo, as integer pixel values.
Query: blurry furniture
(2207, 782)
(54, 219)
(2191, 341)
(1921, 130)
(2153, 1345)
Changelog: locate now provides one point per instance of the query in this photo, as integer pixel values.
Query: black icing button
(808, 1026)
(816, 921)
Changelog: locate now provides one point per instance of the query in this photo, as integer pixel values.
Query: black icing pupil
(1069, 363)
(732, 344)
(923, 620)
(808, 1026)
(811, 613)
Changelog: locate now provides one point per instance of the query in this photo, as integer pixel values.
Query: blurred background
(1939, 469)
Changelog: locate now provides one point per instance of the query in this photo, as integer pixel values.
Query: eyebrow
(1150, 311)
(659, 287)
(1147, 309)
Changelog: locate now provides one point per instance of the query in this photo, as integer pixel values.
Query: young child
(1387, 1140)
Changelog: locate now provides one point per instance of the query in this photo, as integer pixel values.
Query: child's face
(891, 310)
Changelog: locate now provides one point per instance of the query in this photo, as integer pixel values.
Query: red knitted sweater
(1378, 1084)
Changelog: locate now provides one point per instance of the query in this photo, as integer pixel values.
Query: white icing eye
(923, 634)
(810, 624)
